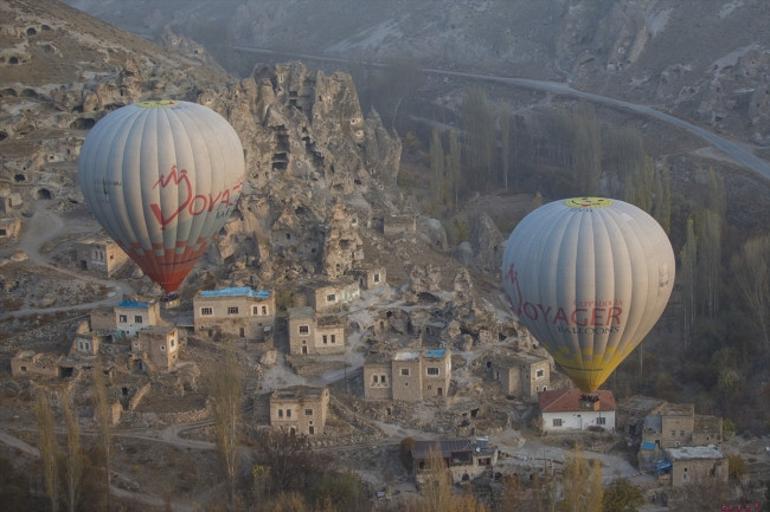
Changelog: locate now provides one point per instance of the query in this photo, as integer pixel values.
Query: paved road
(735, 151)
(44, 226)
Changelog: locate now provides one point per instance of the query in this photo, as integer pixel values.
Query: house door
(83, 265)
(440, 391)
(580, 422)
(311, 430)
(304, 350)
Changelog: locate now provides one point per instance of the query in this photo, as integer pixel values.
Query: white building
(571, 409)
(133, 315)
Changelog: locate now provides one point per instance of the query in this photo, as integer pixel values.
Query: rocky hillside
(703, 59)
(319, 171)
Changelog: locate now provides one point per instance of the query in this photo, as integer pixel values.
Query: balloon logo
(589, 277)
(162, 177)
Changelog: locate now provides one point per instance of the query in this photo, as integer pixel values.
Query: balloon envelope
(589, 277)
(162, 178)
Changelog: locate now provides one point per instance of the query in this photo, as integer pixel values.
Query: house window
(601, 421)
(374, 379)
(681, 433)
(207, 311)
(325, 339)
(123, 319)
(264, 310)
(334, 338)
(137, 319)
(24, 368)
(242, 332)
(540, 373)
(254, 310)
(557, 422)
(405, 372)
(163, 348)
(673, 433)
(172, 342)
(377, 278)
(280, 413)
(432, 370)
(383, 379)
(331, 298)
(288, 413)
(304, 329)
(308, 412)
(232, 310)
(485, 461)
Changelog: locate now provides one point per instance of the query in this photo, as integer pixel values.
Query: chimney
(589, 402)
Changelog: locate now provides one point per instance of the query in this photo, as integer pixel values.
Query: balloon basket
(170, 301)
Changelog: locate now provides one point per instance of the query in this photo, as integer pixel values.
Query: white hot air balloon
(589, 277)
(162, 177)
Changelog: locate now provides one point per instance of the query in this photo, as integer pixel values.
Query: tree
(661, 209)
(582, 484)
(104, 422)
(405, 453)
(480, 137)
(437, 493)
(708, 226)
(622, 496)
(454, 167)
(225, 384)
(74, 460)
(48, 447)
(506, 150)
(437, 160)
(688, 259)
(624, 155)
(289, 458)
(751, 275)
(587, 151)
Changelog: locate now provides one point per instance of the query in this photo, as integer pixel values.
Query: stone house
(672, 425)
(8, 202)
(300, 409)
(27, 363)
(156, 348)
(572, 410)
(314, 334)
(241, 311)
(102, 319)
(410, 376)
(700, 464)
(332, 296)
(370, 278)
(520, 374)
(10, 227)
(465, 459)
(101, 255)
(87, 343)
(133, 315)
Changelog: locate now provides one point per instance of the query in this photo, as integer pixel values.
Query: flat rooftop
(297, 392)
(134, 304)
(695, 452)
(236, 291)
(406, 355)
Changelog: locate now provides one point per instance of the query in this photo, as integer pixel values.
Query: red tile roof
(568, 400)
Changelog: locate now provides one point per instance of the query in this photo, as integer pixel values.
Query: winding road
(733, 150)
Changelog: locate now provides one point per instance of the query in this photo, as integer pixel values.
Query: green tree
(688, 277)
(708, 226)
(49, 450)
(480, 137)
(505, 144)
(622, 496)
(437, 160)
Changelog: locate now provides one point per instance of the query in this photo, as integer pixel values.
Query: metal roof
(133, 304)
(240, 291)
(435, 353)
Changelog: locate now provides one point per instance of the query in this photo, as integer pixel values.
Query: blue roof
(435, 353)
(242, 291)
(134, 304)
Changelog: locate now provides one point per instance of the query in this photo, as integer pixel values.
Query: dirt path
(43, 227)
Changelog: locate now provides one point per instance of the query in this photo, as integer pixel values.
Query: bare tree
(582, 483)
(225, 384)
(74, 460)
(438, 495)
(506, 150)
(751, 275)
(103, 422)
(480, 136)
(454, 167)
(708, 227)
(437, 160)
(48, 447)
(587, 150)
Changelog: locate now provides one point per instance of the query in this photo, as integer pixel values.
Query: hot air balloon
(162, 178)
(588, 277)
